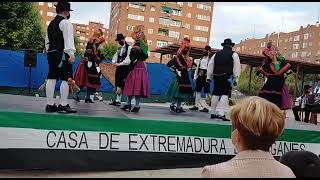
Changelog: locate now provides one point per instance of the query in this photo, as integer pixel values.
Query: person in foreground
(304, 164)
(254, 130)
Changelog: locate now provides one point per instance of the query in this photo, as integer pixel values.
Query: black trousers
(56, 72)
(202, 83)
(221, 85)
(307, 110)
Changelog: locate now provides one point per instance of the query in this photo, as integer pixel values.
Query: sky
(235, 20)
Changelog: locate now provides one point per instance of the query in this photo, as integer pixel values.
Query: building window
(161, 43)
(150, 31)
(41, 12)
(41, 3)
(304, 45)
(187, 26)
(190, 4)
(151, 20)
(295, 46)
(263, 44)
(164, 21)
(306, 36)
(200, 39)
(136, 17)
(177, 12)
(153, 8)
(149, 42)
(81, 44)
(203, 17)
(180, 4)
(78, 32)
(48, 22)
(296, 38)
(294, 55)
(187, 36)
(157, 55)
(203, 6)
(50, 14)
(49, 4)
(130, 28)
(176, 23)
(82, 38)
(189, 15)
(303, 54)
(134, 5)
(310, 44)
(174, 34)
(201, 28)
(309, 54)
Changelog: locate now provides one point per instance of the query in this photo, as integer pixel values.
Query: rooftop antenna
(318, 15)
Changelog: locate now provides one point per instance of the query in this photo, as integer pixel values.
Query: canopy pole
(296, 82)
(250, 74)
(161, 58)
(302, 83)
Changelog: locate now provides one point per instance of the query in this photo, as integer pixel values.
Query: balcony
(163, 32)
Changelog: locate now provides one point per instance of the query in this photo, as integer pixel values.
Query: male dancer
(121, 60)
(224, 69)
(200, 77)
(61, 43)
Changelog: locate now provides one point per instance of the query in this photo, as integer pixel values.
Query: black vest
(55, 35)
(124, 55)
(223, 62)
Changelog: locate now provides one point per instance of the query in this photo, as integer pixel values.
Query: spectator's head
(256, 124)
(302, 163)
(307, 88)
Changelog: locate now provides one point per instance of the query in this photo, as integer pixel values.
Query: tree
(20, 26)
(108, 50)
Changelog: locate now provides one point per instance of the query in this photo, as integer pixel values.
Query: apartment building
(165, 23)
(303, 44)
(47, 12)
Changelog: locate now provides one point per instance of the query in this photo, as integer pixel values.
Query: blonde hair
(258, 121)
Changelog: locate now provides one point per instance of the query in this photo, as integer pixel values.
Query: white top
(126, 61)
(202, 64)
(67, 30)
(236, 67)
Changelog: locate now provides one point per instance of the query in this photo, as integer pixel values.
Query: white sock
(64, 92)
(118, 98)
(50, 86)
(223, 105)
(214, 103)
(197, 100)
(203, 103)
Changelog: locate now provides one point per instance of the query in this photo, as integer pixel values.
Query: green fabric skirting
(173, 90)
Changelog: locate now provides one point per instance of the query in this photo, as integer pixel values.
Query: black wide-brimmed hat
(63, 6)
(119, 37)
(227, 42)
(208, 48)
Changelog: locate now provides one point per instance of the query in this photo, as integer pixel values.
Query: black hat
(207, 48)
(119, 37)
(63, 6)
(307, 87)
(227, 42)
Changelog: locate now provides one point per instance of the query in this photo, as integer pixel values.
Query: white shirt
(236, 67)
(67, 30)
(126, 61)
(202, 64)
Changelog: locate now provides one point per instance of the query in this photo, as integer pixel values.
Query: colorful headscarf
(185, 43)
(271, 51)
(138, 35)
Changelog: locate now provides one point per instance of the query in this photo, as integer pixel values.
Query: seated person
(306, 101)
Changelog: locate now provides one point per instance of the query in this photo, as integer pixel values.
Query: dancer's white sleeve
(115, 57)
(197, 69)
(236, 66)
(127, 60)
(67, 30)
(210, 68)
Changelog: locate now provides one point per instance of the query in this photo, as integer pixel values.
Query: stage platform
(103, 137)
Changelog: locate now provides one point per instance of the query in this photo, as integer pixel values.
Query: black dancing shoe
(77, 98)
(135, 109)
(125, 107)
(65, 109)
(215, 116)
(180, 110)
(204, 110)
(173, 108)
(115, 103)
(51, 108)
(194, 108)
(88, 101)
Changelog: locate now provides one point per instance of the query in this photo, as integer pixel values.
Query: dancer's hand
(208, 80)
(71, 58)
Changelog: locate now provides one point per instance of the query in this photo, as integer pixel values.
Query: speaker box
(30, 58)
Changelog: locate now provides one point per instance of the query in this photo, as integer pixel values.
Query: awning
(166, 9)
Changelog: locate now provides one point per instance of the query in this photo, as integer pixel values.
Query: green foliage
(20, 26)
(108, 50)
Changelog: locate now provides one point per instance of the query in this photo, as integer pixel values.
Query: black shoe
(65, 109)
(135, 109)
(51, 108)
(194, 108)
(180, 110)
(125, 107)
(173, 108)
(88, 101)
(204, 110)
(215, 116)
(77, 98)
(115, 103)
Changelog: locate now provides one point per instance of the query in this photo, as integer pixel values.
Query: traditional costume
(180, 87)
(137, 81)
(61, 47)
(88, 72)
(275, 90)
(200, 76)
(121, 60)
(224, 69)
